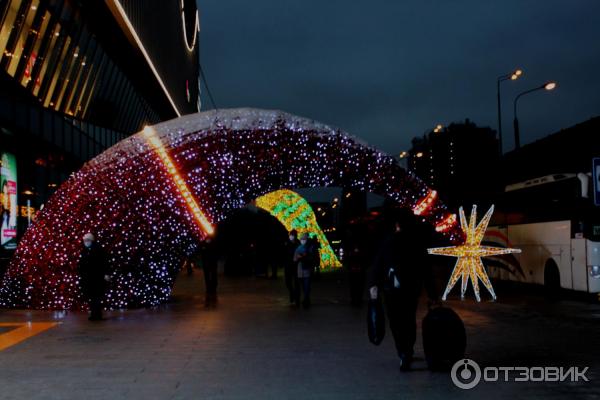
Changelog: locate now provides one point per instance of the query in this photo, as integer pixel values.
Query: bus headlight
(595, 271)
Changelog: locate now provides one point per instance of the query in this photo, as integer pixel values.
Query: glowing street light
(548, 86)
(438, 128)
(513, 76)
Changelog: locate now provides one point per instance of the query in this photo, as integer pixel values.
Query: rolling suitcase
(444, 338)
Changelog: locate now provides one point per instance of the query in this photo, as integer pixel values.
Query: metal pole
(516, 121)
(499, 119)
(517, 134)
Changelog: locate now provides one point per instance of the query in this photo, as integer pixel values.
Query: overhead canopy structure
(150, 198)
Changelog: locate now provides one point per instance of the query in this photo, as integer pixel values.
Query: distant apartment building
(460, 161)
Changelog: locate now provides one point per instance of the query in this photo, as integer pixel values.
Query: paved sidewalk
(255, 346)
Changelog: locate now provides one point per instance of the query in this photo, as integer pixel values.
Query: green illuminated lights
(294, 212)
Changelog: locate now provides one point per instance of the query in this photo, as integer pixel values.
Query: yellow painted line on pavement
(23, 331)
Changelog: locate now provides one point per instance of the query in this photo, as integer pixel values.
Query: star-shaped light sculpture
(469, 264)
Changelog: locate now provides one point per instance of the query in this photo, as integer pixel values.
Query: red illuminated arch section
(151, 197)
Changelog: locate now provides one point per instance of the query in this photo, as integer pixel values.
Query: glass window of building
(49, 55)
(37, 35)
(8, 25)
(25, 30)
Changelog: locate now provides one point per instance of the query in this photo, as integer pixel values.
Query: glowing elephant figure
(150, 198)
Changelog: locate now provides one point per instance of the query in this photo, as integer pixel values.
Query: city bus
(554, 222)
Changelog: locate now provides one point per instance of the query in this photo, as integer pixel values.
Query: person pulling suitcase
(399, 273)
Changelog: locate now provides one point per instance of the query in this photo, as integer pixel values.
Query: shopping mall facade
(78, 76)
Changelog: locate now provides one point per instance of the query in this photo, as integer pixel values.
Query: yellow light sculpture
(184, 191)
(469, 264)
(294, 212)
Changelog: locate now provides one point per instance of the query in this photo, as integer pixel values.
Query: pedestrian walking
(314, 250)
(304, 260)
(399, 273)
(355, 252)
(188, 265)
(93, 272)
(290, 266)
(273, 261)
(210, 263)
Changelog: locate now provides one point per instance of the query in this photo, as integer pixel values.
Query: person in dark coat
(305, 265)
(290, 270)
(315, 256)
(355, 253)
(399, 273)
(210, 263)
(93, 272)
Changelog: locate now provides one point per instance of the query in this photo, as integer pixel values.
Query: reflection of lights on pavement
(159, 149)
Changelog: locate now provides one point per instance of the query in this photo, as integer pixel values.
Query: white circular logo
(466, 374)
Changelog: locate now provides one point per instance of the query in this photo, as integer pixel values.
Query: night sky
(387, 71)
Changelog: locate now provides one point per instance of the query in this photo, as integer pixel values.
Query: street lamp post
(546, 86)
(513, 76)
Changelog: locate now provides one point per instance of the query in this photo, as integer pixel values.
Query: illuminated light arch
(130, 199)
(294, 212)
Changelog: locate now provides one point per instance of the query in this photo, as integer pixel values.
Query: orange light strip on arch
(182, 187)
(446, 224)
(425, 203)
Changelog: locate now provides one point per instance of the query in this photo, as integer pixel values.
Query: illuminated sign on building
(8, 201)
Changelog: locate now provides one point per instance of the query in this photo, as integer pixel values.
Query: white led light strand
(196, 30)
(138, 41)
